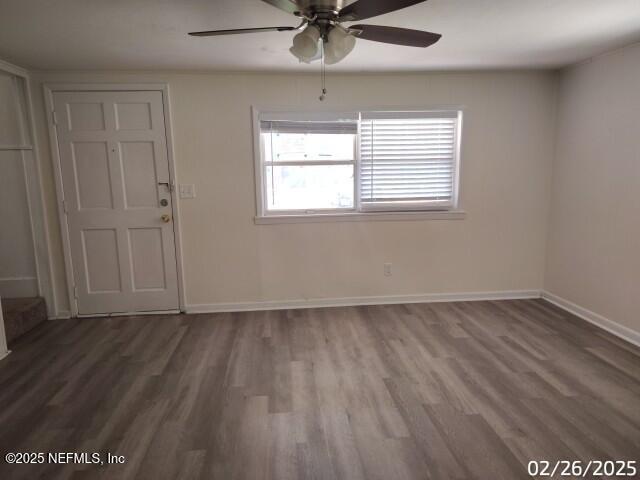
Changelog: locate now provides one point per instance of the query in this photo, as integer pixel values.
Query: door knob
(166, 218)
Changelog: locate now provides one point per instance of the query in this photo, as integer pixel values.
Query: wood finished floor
(421, 391)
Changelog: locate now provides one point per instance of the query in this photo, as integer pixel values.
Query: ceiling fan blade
(288, 6)
(396, 36)
(213, 33)
(361, 9)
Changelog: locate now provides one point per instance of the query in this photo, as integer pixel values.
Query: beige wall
(594, 236)
(507, 151)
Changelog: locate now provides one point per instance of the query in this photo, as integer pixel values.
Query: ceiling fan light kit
(324, 37)
(305, 44)
(339, 44)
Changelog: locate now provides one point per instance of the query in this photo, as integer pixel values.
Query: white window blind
(308, 127)
(408, 159)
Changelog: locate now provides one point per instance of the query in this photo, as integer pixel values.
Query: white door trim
(4, 351)
(49, 90)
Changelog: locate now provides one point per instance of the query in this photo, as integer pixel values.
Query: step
(22, 315)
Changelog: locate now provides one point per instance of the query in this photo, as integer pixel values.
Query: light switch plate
(187, 191)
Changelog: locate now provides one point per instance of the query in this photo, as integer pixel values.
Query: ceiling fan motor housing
(321, 13)
(312, 7)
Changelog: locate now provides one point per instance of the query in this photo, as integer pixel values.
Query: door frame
(49, 90)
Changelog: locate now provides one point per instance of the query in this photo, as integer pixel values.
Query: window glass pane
(309, 187)
(287, 147)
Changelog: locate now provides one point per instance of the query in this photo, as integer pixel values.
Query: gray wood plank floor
(419, 391)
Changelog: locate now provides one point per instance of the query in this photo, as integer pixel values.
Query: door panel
(85, 116)
(148, 270)
(101, 260)
(92, 175)
(139, 174)
(113, 156)
(133, 116)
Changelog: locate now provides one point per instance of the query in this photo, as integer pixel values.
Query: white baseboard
(625, 333)
(128, 314)
(355, 301)
(61, 315)
(610, 326)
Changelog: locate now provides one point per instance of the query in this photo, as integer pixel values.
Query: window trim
(413, 211)
(359, 217)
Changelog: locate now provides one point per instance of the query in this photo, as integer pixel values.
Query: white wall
(507, 152)
(594, 236)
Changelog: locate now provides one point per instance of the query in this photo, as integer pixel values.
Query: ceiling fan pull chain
(322, 73)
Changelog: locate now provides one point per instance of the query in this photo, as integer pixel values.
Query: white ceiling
(151, 34)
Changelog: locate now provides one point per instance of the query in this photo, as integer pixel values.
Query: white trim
(360, 217)
(175, 198)
(259, 189)
(129, 314)
(18, 287)
(457, 162)
(62, 315)
(102, 87)
(57, 174)
(324, 111)
(49, 89)
(4, 350)
(39, 225)
(15, 147)
(355, 301)
(13, 69)
(614, 328)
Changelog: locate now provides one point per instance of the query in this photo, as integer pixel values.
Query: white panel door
(115, 176)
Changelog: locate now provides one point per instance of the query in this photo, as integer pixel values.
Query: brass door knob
(166, 218)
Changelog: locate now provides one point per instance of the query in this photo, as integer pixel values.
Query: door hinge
(64, 206)
(54, 118)
(75, 292)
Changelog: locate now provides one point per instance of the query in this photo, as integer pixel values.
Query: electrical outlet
(387, 269)
(187, 191)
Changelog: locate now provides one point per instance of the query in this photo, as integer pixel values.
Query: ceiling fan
(324, 36)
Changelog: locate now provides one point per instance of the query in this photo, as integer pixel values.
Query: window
(308, 165)
(359, 162)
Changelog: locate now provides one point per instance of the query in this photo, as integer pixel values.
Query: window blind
(407, 157)
(319, 127)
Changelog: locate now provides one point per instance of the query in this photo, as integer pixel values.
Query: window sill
(360, 217)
